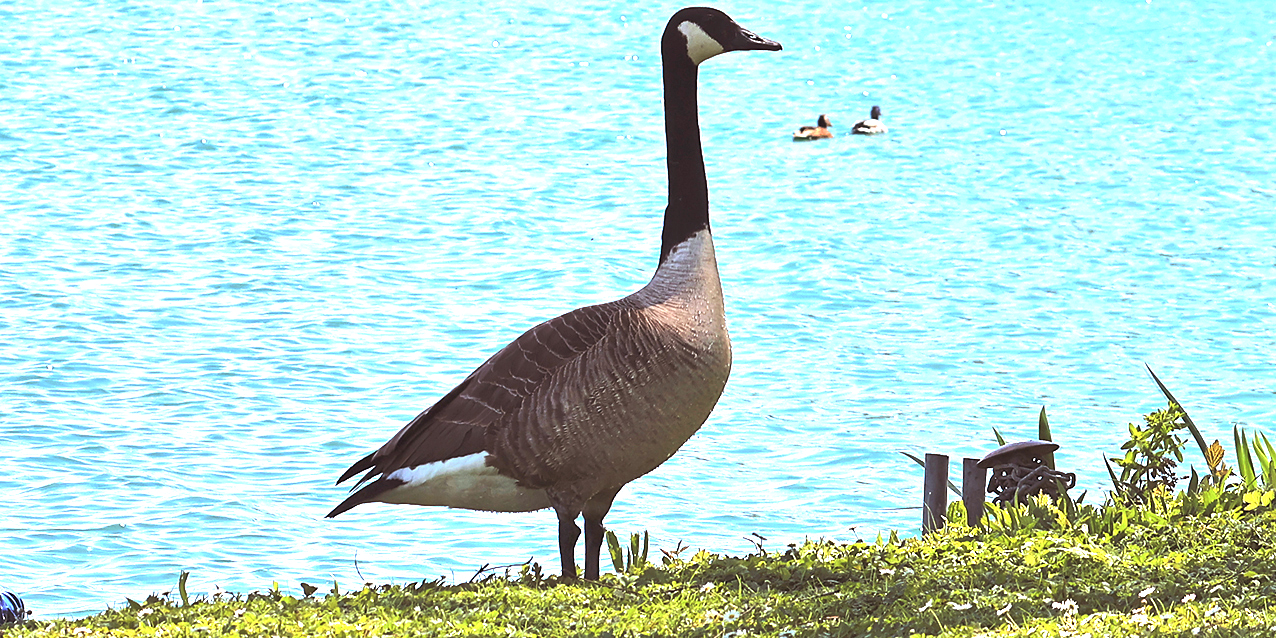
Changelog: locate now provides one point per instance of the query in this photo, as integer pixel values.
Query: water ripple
(244, 244)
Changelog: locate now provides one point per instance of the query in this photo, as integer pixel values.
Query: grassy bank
(1196, 576)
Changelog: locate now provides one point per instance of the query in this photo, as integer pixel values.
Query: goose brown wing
(457, 425)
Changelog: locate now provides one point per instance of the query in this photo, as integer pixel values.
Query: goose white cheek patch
(700, 45)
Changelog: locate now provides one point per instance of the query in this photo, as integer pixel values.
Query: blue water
(242, 245)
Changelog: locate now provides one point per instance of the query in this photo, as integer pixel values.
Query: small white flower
(926, 606)
(1004, 610)
(145, 612)
(1212, 610)
(961, 607)
(1068, 606)
(1189, 598)
(731, 616)
(888, 572)
(1147, 592)
(706, 587)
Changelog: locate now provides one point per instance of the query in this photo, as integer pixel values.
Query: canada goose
(582, 404)
(819, 131)
(872, 126)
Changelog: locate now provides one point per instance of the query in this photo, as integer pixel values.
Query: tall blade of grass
(1001, 440)
(1267, 457)
(919, 461)
(1043, 433)
(1260, 453)
(952, 486)
(1116, 483)
(1191, 425)
(1263, 457)
(1244, 464)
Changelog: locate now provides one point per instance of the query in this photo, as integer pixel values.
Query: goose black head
(703, 32)
(823, 121)
(875, 113)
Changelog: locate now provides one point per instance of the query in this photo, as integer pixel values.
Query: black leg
(595, 509)
(568, 532)
(594, 533)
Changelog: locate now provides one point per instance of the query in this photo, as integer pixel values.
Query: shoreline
(1212, 574)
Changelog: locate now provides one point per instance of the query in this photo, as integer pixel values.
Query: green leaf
(917, 460)
(617, 555)
(1251, 500)
(1196, 433)
(637, 554)
(1116, 483)
(1244, 464)
(952, 486)
(1000, 439)
(1043, 433)
(308, 589)
(1266, 458)
(181, 588)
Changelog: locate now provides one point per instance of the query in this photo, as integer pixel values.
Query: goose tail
(367, 494)
(362, 464)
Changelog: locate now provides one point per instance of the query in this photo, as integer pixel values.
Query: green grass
(1200, 576)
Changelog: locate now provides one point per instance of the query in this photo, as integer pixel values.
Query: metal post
(935, 493)
(972, 490)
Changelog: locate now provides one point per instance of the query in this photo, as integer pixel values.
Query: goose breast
(622, 407)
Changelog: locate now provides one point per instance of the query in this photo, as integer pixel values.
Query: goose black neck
(688, 210)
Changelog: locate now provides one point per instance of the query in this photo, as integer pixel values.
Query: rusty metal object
(1019, 471)
(11, 609)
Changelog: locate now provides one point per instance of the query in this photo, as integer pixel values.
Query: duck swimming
(872, 126)
(818, 132)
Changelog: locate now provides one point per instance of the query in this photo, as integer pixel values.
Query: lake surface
(242, 245)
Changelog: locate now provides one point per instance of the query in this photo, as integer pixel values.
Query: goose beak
(747, 40)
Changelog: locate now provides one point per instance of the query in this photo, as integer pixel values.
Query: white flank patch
(466, 482)
(700, 45)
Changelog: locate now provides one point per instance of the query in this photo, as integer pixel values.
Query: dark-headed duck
(817, 132)
(872, 126)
